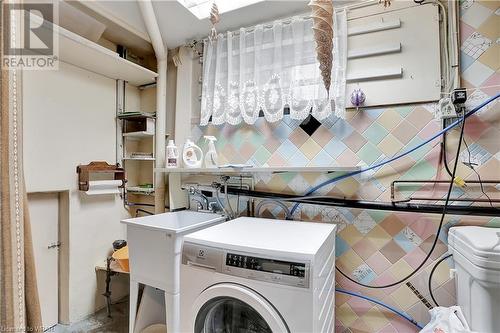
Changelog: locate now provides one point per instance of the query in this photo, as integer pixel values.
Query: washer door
(233, 308)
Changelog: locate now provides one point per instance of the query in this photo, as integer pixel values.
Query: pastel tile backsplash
(378, 247)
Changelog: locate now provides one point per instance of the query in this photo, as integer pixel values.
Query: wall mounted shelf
(249, 170)
(141, 134)
(139, 158)
(83, 53)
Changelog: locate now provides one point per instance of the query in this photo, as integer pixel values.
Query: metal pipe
(451, 199)
(161, 53)
(363, 204)
(394, 182)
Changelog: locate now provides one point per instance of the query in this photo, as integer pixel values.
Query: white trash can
(476, 251)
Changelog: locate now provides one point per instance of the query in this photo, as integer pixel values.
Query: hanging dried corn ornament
(322, 16)
(214, 18)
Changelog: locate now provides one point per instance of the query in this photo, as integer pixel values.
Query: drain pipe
(161, 53)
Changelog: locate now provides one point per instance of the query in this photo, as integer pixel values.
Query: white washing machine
(257, 276)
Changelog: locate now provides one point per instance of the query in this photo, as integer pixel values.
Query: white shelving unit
(138, 139)
(83, 53)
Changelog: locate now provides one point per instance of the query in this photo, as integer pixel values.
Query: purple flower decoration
(358, 97)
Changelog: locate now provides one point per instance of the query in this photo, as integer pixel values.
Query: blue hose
(437, 135)
(399, 313)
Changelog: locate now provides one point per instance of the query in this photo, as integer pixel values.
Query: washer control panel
(269, 269)
(266, 265)
(247, 265)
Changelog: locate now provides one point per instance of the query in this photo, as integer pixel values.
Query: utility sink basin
(179, 222)
(155, 244)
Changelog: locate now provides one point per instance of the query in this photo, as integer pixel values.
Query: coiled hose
(437, 135)
(399, 313)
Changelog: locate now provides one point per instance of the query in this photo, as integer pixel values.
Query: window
(201, 8)
(271, 68)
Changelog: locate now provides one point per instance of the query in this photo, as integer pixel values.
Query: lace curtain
(269, 68)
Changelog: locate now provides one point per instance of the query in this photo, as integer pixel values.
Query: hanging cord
(432, 273)
(443, 150)
(399, 313)
(478, 176)
(438, 231)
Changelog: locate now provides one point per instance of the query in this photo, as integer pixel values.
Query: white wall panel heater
(394, 55)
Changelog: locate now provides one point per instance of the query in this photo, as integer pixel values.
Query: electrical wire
(478, 176)
(399, 313)
(438, 231)
(432, 273)
(443, 150)
(375, 166)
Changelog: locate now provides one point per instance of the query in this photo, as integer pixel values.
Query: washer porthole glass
(229, 315)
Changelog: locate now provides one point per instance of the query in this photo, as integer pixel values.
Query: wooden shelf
(85, 54)
(250, 170)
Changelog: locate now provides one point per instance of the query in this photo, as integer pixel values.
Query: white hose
(231, 211)
(275, 202)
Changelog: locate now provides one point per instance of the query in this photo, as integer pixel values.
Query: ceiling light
(201, 8)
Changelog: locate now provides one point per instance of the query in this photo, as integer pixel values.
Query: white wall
(69, 119)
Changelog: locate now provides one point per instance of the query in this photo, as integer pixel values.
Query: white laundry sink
(155, 244)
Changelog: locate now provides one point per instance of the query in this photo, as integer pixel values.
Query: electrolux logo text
(30, 39)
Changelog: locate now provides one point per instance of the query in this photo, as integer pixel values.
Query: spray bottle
(211, 157)
(172, 155)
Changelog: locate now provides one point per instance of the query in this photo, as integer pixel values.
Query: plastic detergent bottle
(172, 155)
(192, 155)
(211, 157)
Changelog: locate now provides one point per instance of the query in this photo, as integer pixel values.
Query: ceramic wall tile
(381, 246)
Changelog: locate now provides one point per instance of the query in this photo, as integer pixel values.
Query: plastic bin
(476, 251)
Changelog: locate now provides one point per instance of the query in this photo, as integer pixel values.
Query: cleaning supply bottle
(172, 155)
(192, 155)
(211, 158)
